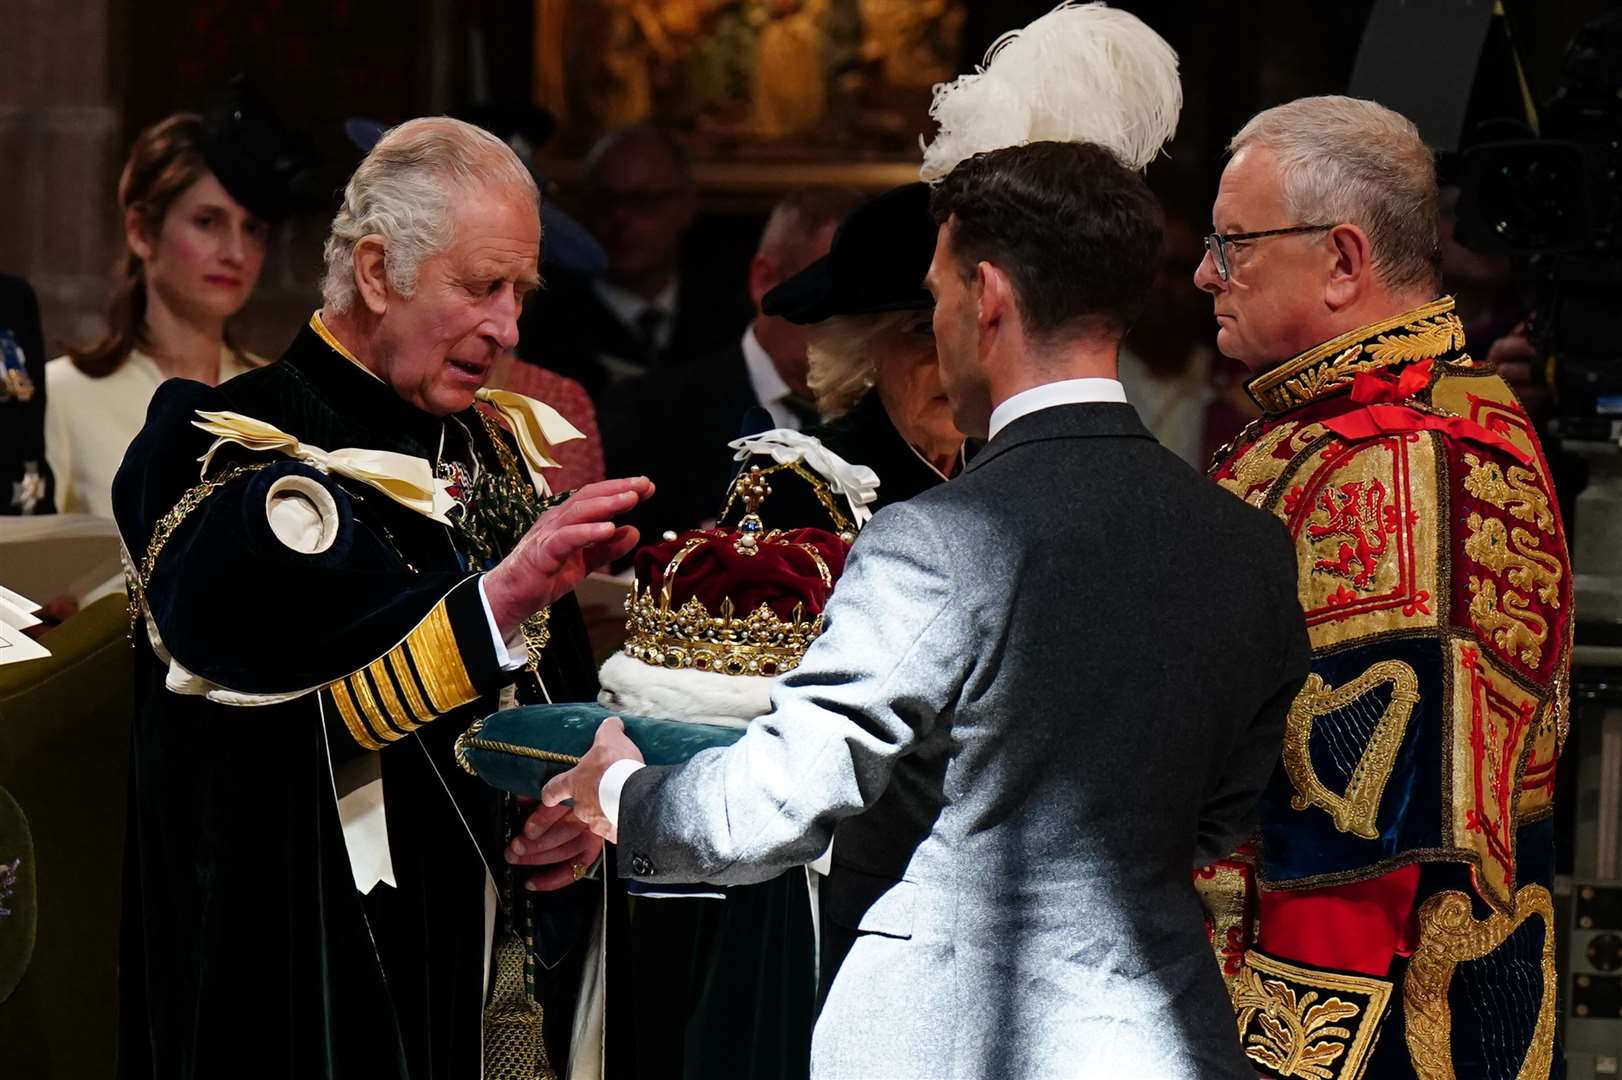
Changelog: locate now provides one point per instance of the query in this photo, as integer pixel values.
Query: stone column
(59, 157)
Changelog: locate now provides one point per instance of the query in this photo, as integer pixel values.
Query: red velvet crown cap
(782, 573)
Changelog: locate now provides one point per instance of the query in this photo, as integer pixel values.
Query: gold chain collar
(1429, 332)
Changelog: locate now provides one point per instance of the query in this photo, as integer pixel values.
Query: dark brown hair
(166, 160)
(1078, 233)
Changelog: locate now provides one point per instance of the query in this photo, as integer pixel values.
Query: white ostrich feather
(1080, 73)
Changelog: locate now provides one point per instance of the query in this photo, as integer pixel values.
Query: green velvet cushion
(518, 750)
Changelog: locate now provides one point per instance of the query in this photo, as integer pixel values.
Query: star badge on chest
(458, 480)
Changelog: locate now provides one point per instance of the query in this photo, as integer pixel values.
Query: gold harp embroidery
(1449, 935)
(1286, 1028)
(1356, 809)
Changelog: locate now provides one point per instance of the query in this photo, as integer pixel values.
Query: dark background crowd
(675, 226)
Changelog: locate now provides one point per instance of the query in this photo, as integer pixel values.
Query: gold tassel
(513, 1048)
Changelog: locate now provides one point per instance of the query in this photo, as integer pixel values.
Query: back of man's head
(405, 191)
(1343, 159)
(1077, 233)
(800, 226)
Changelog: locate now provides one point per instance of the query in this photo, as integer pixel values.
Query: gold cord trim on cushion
(1302, 1022)
(1450, 934)
(470, 740)
(1429, 332)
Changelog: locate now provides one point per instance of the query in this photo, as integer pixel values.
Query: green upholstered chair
(64, 747)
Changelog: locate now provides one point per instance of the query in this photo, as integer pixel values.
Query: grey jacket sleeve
(888, 663)
(1228, 817)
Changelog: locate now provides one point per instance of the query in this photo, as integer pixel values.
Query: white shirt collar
(764, 380)
(627, 305)
(1046, 396)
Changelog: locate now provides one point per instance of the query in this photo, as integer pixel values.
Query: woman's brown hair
(167, 158)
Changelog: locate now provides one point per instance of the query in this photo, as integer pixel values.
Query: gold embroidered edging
(1449, 935)
(1286, 1028)
(168, 523)
(1429, 331)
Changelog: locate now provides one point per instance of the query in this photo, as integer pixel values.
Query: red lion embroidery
(1356, 511)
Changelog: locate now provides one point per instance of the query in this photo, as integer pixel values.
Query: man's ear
(764, 276)
(371, 274)
(1352, 271)
(994, 291)
(135, 234)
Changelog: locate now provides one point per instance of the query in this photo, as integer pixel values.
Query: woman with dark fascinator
(886, 432)
(196, 198)
(886, 435)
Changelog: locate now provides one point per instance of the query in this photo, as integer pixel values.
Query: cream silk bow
(857, 483)
(409, 481)
(538, 428)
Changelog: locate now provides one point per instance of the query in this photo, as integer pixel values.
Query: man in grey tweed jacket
(1046, 692)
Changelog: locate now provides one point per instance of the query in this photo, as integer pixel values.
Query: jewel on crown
(685, 607)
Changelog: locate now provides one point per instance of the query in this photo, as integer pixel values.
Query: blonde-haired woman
(195, 201)
(874, 375)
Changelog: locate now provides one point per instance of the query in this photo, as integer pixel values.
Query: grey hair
(403, 191)
(1343, 159)
(843, 352)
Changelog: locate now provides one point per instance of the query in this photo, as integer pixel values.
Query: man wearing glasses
(1403, 925)
(642, 313)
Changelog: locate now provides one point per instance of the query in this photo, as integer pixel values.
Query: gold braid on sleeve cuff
(420, 679)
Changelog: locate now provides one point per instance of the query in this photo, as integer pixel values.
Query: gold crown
(759, 643)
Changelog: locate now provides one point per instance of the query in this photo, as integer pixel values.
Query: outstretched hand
(565, 544)
(580, 784)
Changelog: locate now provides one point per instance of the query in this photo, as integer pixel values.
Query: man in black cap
(866, 315)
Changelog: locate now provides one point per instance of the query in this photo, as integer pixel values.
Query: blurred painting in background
(807, 80)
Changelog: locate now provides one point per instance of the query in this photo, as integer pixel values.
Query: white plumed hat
(1080, 73)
